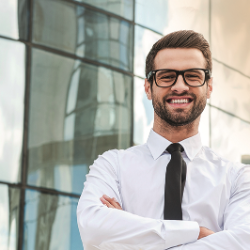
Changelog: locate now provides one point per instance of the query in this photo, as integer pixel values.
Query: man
(188, 198)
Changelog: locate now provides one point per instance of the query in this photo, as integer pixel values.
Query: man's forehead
(179, 58)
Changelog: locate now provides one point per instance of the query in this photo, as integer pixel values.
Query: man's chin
(178, 124)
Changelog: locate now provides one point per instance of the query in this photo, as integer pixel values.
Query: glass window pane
(84, 32)
(77, 111)
(14, 18)
(50, 222)
(230, 33)
(12, 77)
(231, 91)
(9, 217)
(143, 113)
(152, 14)
(230, 135)
(188, 15)
(122, 8)
(167, 16)
(144, 40)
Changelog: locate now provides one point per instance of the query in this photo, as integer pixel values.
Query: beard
(179, 117)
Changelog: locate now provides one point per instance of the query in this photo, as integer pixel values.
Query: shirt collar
(158, 144)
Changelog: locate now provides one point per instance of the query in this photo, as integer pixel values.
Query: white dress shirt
(216, 196)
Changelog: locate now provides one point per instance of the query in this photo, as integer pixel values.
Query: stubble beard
(179, 117)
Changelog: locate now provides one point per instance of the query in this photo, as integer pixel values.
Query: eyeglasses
(165, 78)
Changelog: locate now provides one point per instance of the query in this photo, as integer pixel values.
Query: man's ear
(147, 87)
(209, 87)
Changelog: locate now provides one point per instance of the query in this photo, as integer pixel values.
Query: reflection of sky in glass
(7, 231)
(8, 18)
(70, 178)
(12, 74)
(144, 39)
(152, 13)
(143, 113)
(64, 231)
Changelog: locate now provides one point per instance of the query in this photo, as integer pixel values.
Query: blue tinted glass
(153, 14)
(50, 222)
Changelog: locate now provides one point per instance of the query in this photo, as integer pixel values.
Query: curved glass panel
(230, 33)
(12, 76)
(9, 217)
(230, 135)
(50, 222)
(84, 32)
(231, 91)
(122, 8)
(77, 111)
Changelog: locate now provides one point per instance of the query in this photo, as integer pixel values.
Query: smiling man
(171, 192)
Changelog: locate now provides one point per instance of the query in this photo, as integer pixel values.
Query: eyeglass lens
(166, 78)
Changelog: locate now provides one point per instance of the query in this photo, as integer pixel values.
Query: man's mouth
(174, 100)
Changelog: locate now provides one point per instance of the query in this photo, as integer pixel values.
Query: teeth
(179, 101)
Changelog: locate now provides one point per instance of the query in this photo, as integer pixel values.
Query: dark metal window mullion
(24, 164)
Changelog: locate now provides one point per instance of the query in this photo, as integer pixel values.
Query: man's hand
(204, 232)
(110, 202)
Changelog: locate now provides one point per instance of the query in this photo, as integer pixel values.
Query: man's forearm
(101, 226)
(235, 239)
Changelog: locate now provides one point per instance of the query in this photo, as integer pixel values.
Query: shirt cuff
(180, 232)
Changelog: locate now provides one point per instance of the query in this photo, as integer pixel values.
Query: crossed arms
(102, 227)
(113, 203)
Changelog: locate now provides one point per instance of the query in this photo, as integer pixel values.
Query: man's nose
(180, 86)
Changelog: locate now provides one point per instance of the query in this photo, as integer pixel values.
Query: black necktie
(174, 183)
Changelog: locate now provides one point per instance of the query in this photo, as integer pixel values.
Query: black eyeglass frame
(179, 72)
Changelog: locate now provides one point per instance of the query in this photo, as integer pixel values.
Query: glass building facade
(71, 87)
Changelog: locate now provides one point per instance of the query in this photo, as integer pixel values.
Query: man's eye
(168, 77)
(192, 76)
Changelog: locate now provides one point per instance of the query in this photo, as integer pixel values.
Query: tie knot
(175, 147)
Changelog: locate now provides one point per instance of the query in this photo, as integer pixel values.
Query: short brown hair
(179, 39)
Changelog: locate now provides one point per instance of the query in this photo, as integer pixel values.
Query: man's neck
(176, 133)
